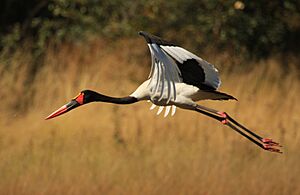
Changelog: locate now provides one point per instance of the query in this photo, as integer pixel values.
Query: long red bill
(58, 112)
(67, 107)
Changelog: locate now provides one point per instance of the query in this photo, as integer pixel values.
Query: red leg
(224, 118)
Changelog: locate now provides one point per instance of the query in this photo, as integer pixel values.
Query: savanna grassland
(110, 149)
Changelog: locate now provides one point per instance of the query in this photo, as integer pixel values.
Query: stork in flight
(178, 78)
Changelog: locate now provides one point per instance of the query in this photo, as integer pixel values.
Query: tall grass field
(126, 149)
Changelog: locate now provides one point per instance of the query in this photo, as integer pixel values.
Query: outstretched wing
(190, 68)
(194, 70)
(164, 71)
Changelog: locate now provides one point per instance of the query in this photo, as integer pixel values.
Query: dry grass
(109, 149)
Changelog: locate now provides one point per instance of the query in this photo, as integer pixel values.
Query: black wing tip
(146, 36)
(142, 33)
(154, 39)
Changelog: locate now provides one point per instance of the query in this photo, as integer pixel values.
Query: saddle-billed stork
(178, 78)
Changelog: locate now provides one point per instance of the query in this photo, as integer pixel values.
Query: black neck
(123, 100)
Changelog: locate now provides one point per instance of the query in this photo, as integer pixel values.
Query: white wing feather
(164, 74)
(160, 109)
(173, 110)
(168, 108)
(152, 107)
(181, 55)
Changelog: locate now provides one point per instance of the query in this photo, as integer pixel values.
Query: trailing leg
(225, 119)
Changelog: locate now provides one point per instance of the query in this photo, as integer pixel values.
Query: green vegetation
(250, 28)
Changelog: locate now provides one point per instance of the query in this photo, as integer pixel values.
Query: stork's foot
(271, 148)
(265, 143)
(270, 142)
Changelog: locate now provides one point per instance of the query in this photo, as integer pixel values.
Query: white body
(186, 96)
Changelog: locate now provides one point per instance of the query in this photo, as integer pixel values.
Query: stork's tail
(217, 95)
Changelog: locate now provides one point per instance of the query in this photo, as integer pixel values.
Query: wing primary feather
(158, 73)
(173, 110)
(167, 78)
(163, 80)
(160, 109)
(171, 81)
(172, 73)
(152, 61)
(168, 74)
(153, 68)
(161, 75)
(182, 52)
(167, 111)
(156, 87)
(172, 53)
(152, 106)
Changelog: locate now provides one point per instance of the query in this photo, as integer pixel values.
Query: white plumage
(181, 55)
(169, 85)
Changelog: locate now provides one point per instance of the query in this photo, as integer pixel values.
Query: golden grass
(109, 149)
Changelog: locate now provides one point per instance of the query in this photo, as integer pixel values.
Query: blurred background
(52, 49)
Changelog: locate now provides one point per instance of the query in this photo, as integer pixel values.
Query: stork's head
(84, 97)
